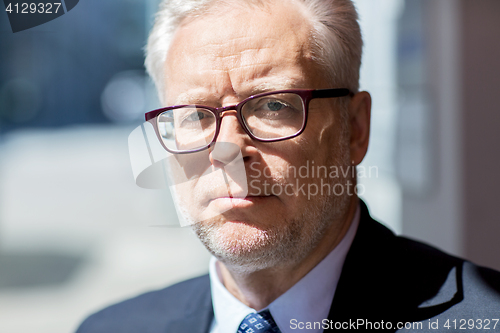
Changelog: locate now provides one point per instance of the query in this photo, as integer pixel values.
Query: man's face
(220, 59)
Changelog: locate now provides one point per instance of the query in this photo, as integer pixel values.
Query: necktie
(261, 322)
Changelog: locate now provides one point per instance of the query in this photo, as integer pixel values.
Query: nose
(223, 153)
(231, 140)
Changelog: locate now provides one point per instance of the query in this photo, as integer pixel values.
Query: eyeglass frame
(305, 94)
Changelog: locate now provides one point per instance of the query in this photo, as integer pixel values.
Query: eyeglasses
(268, 117)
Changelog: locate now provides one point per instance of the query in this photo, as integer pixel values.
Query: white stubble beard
(250, 248)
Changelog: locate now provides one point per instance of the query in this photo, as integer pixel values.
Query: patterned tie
(261, 322)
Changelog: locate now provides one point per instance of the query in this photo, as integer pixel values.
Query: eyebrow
(197, 97)
(270, 86)
(190, 98)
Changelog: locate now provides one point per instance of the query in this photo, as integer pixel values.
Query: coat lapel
(392, 278)
(199, 314)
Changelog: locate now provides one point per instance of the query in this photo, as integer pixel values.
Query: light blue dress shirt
(308, 301)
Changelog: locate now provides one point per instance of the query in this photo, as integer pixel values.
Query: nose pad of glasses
(223, 153)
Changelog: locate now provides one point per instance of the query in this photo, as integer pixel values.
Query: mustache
(212, 185)
(219, 184)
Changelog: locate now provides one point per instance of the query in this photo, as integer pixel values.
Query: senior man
(278, 79)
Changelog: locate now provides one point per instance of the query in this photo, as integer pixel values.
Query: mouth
(240, 202)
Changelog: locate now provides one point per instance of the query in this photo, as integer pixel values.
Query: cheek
(280, 165)
(323, 123)
(325, 144)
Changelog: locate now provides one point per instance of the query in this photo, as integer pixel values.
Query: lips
(226, 195)
(219, 186)
(239, 194)
(227, 203)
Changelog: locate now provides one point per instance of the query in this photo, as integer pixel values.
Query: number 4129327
(32, 8)
(478, 324)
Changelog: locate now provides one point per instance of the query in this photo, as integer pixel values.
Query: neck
(260, 288)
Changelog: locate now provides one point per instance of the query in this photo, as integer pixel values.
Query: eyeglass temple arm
(328, 93)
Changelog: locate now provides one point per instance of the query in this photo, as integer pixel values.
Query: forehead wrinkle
(251, 56)
(231, 60)
(231, 49)
(261, 66)
(200, 88)
(248, 38)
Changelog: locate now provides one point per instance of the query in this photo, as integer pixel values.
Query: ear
(359, 121)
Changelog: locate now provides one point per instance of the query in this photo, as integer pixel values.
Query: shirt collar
(309, 300)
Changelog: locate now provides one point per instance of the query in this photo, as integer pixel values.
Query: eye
(192, 116)
(274, 105)
(275, 108)
(270, 105)
(195, 116)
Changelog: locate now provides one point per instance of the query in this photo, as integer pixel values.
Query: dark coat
(384, 278)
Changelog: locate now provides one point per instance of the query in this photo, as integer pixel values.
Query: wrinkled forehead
(240, 44)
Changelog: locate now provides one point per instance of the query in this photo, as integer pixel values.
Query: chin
(246, 247)
(279, 241)
(239, 244)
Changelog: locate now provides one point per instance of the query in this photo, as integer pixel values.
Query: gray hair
(336, 35)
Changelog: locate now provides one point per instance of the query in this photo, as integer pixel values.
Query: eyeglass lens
(268, 117)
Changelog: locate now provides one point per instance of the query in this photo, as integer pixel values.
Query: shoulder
(154, 311)
(472, 287)
(389, 277)
(438, 278)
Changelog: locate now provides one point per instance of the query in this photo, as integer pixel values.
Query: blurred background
(77, 234)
